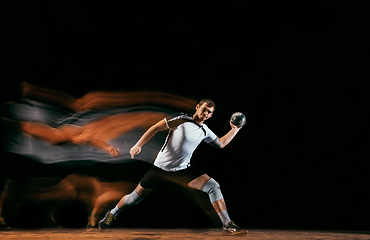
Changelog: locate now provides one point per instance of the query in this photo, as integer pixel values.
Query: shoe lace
(234, 225)
(110, 218)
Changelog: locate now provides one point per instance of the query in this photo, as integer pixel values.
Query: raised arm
(160, 126)
(226, 139)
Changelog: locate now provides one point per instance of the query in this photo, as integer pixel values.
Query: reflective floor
(144, 234)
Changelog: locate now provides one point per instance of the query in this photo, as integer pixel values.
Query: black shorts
(156, 176)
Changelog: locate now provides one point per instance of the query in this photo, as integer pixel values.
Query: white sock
(115, 211)
(224, 216)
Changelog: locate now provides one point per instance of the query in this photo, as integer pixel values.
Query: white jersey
(183, 138)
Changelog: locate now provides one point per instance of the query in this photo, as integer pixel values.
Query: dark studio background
(297, 69)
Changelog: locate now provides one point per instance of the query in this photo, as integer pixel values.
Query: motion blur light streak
(71, 156)
(110, 121)
(105, 99)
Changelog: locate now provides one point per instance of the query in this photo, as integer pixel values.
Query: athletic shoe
(106, 221)
(232, 229)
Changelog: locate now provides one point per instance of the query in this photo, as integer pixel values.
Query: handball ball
(238, 119)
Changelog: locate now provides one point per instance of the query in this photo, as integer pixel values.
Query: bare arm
(226, 139)
(160, 126)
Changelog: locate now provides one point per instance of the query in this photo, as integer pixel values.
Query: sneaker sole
(236, 234)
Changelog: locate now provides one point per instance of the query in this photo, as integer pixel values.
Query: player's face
(204, 112)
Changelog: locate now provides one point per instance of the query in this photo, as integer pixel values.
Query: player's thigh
(143, 192)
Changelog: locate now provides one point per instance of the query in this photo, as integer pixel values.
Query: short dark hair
(208, 102)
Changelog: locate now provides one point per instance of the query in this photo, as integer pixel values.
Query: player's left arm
(226, 139)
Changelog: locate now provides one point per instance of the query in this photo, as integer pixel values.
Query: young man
(173, 162)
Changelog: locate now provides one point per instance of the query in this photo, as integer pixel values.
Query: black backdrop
(297, 69)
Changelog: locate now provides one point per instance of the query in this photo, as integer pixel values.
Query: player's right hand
(135, 150)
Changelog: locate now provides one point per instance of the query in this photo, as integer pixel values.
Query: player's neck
(197, 119)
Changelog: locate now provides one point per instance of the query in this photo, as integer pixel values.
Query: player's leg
(111, 193)
(148, 183)
(126, 201)
(132, 199)
(212, 188)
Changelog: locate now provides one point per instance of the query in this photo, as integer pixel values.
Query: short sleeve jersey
(183, 138)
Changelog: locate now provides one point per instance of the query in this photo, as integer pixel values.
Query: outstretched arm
(160, 126)
(226, 139)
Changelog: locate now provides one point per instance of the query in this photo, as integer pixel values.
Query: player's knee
(132, 199)
(212, 188)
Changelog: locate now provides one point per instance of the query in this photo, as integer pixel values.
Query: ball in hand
(238, 119)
